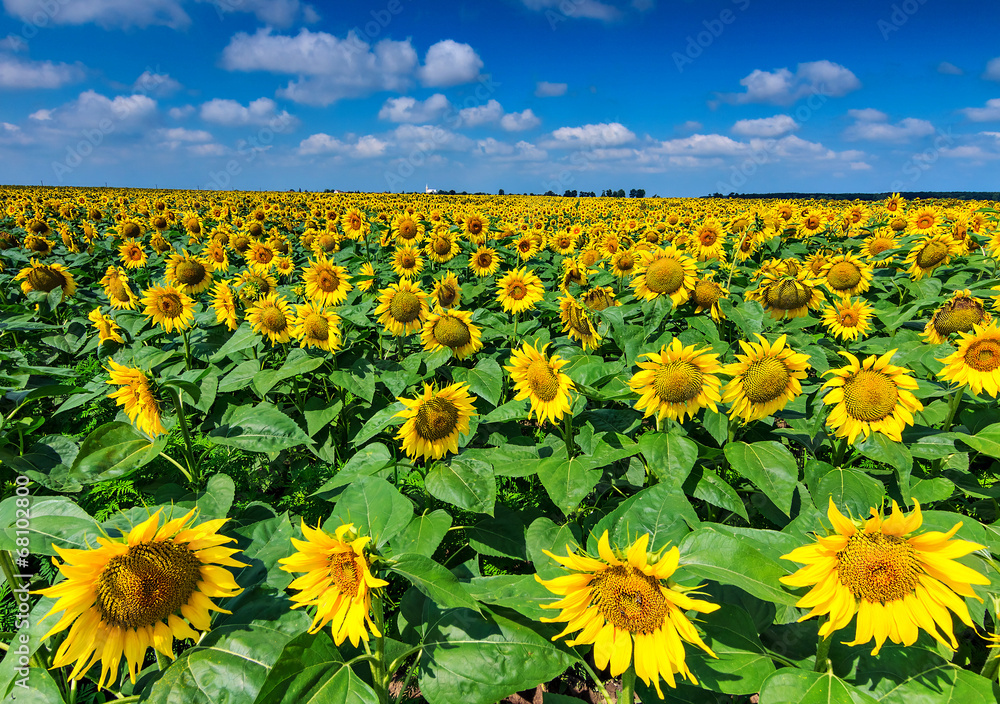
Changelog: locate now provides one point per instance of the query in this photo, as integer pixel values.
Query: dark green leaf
(464, 482)
(770, 466)
(433, 580)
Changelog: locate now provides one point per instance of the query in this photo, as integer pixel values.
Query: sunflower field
(326, 448)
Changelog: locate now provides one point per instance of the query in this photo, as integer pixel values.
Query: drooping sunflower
(453, 330)
(572, 273)
(402, 308)
(366, 277)
(788, 296)
(627, 606)
(929, 253)
(407, 262)
(40, 246)
(271, 317)
(957, 315)
(577, 323)
(169, 307)
(519, 290)
(599, 298)
(976, 362)
(541, 379)
(224, 305)
(665, 272)
(623, 263)
(896, 580)
(314, 326)
(46, 278)
(765, 378)
(677, 381)
(447, 293)
(878, 250)
(140, 591)
(434, 420)
(706, 295)
(188, 273)
(132, 254)
(846, 275)
(848, 318)
(484, 261)
(870, 396)
(338, 581)
(326, 283)
(106, 327)
(137, 397)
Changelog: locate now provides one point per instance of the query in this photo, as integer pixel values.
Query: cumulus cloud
(604, 134)
(18, 73)
(689, 126)
(430, 138)
(504, 151)
(873, 125)
(481, 114)
(322, 143)
(989, 113)
(104, 13)
(158, 84)
(703, 145)
(180, 113)
(544, 89)
(230, 113)
(407, 109)
(992, 72)
(783, 87)
(276, 13)
(449, 63)
(520, 121)
(949, 68)
(766, 126)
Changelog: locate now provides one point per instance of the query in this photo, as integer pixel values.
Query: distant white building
(428, 189)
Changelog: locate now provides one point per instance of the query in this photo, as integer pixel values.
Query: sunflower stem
(593, 676)
(188, 449)
(177, 464)
(839, 451)
(953, 405)
(72, 691)
(568, 434)
(187, 350)
(627, 695)
(823, 663)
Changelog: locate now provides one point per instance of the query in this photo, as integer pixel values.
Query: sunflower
(929, 253)
(599, 298)
(747, 245)
(46, 278)
(665, 272)
(846, 275)
(677, 381)
(314, 326)
(476, 227)
(788, 296)
(137, 397)
(141, 590)
(434, 421)
(625, 604)
(870, 396)
(542, 380)
(106, 327)
(709, 241)
(563, 243)
(453, 330)
(402, 308)
(407, 262)
(896, 581)
(338, 581)
(447, 293)
(706, 295)
(527, 246)
(878, 250)
(765, 378)
(354, 224)
(519, 290)
(41, 246)
(848, 319)
(407, 229)
(442, 247)
(271, 317)
(260, 256)
(168, 307)
(188, 273)
(589, 257)
(895, 203)
(976, 362)
(577, 324)
(366, 277)
(925, 222)
(623, 264)
(132, 254)
(572, 273)
(484, 261)
(957, 315)
(326, 283)
(224, 305)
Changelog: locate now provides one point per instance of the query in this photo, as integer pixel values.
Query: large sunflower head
(846, 275)
(706, 295)
(447, 293)
(957, 315)
(976, 362)
(788, 296)
(402, 308)
(271, 317)
(848, 318)
(453, 330)
(315, 326)
(407, 229)
(577, 323)
(896, 580)
(870, 396)
(46, 278)
(188, 273)
(168, 307)
(926, 221)
(878, 250)
(929, 253)
(599, 298)
(476, 227)
(407, 261)
(132, 254)
(434, 420)
(625, 603)
(138, 397)
(541, 379)
(107, 328)
(484, 261)
(140, 591)
(519, 290)
(442, 247)
(624, 263)
(765, 378)
(326, 283)
(665, 272)
(677, 381)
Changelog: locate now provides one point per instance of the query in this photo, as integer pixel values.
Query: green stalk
(593, 676)
(823, 663)
(953, 405)
(568, 434)
(992, 665)
(187, 350)
(188, 448)
(627, 695)
(839, 451)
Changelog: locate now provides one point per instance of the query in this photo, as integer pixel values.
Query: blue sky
(681, 98)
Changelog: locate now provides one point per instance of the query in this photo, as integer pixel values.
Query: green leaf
(30, 633)
(793, 686)
(485, 380)
(729, 560)
(52, 519)
(520, 592)
(717, 425)
(464, 482)
(270, 540)
(423, 534)
(850, 489)
(770, 466)
(512, 410)
(703, 483)
(499, 536)
(986, 440)
(379, 422)
(433, 580)
(368, 461)
(662, 511)
(359, 379)
(319, 413)
(743, 663)
(37, 687)
(243, 338)
(260, 428)
(881, 449)
(544, 535)
(113, 450)
(670, 455)
(47, 462)
(918, 674)
(568, 481)
(375, 507)
(240, 377)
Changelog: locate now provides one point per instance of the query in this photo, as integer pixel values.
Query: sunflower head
(434, 421)
(539, 378)
(453, 330)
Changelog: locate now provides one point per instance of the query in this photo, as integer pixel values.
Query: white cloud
(481, 114)
(544, 89)
(605, 134)
(181, 112)
(105, 13)
(369, 146)
(949, 68)
(230, 113)
(328, 68)
(180, 134)
(520, 121)
(689, 126)
(158, 84)
(782, 87)
(766, 126)
(208, 150)
(407, 109)
(125, 112)
(41, 115)
(16, 73)
(992, 72)
(860, 166)
(989, 113)
(449, 63)
(561, 10)
(322, 143)
(276, 13)
(429, 138)
(703, 145)
(873, 125)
